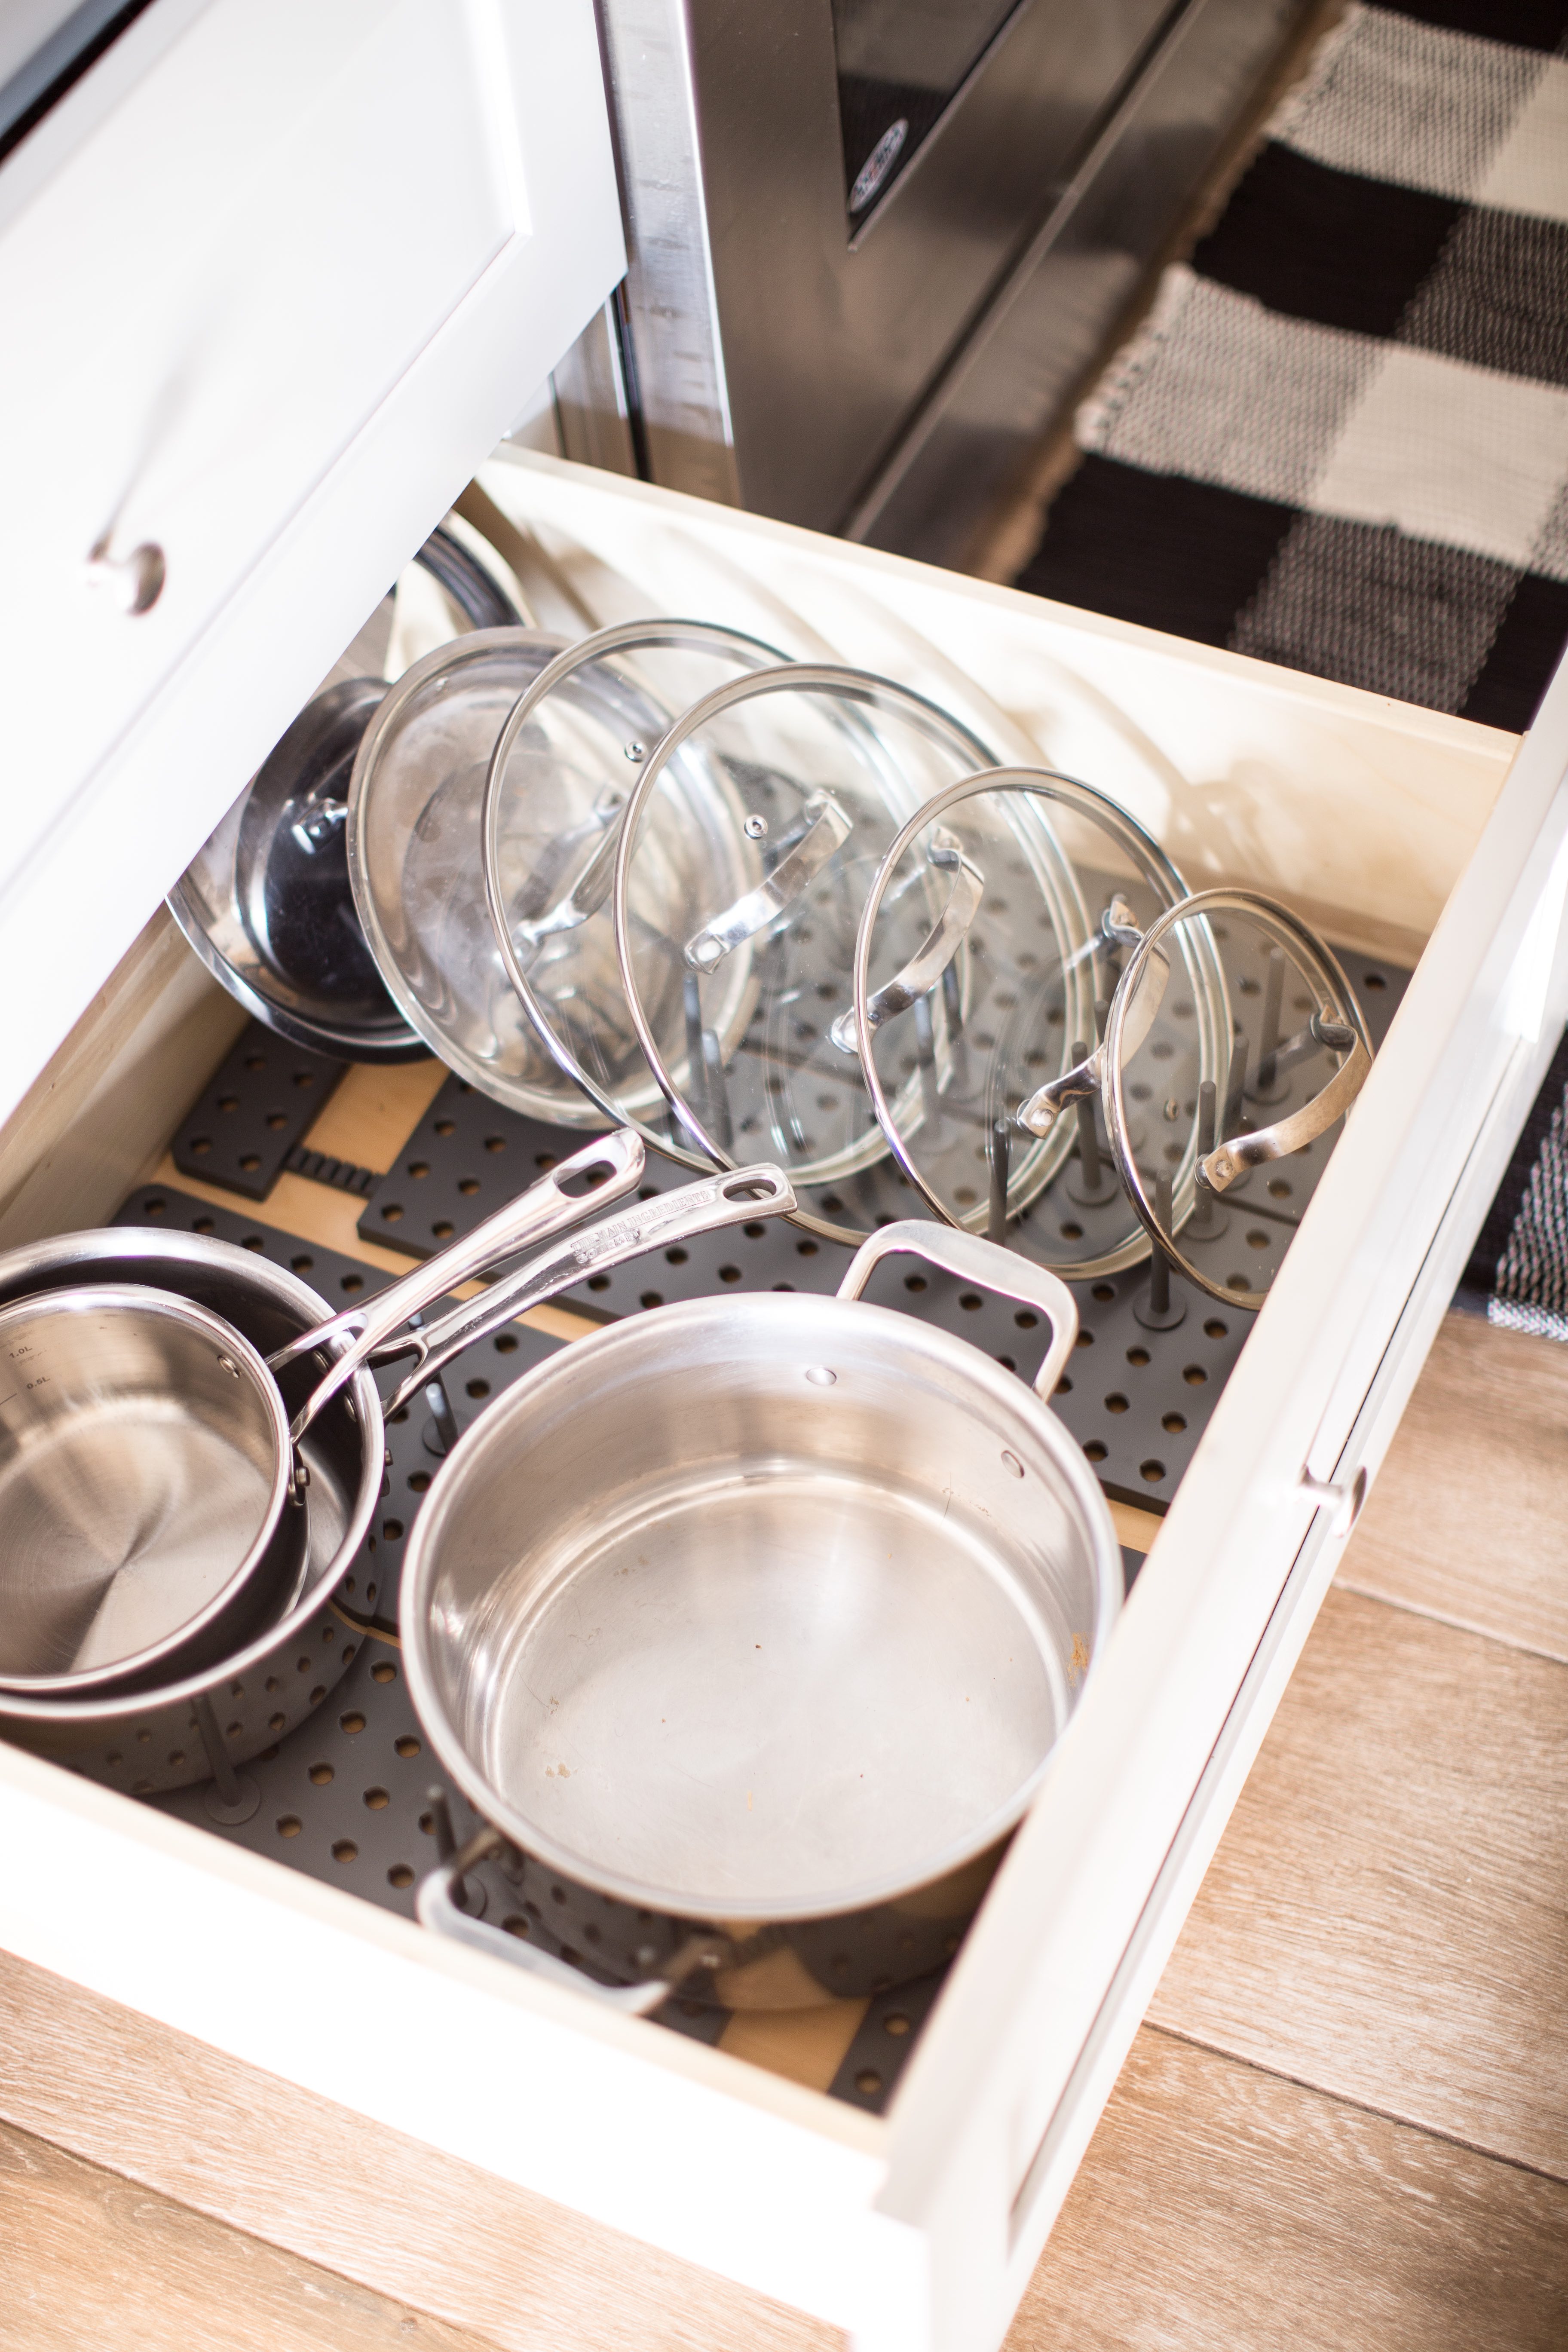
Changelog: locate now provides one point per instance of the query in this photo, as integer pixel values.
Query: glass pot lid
(415, 802)
(989, 950)
(1219, 1171)
(560, 777)
(267, 902)
(735, 972)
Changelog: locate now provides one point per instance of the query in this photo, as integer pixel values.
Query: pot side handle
(435, 1905)
(989, 1268)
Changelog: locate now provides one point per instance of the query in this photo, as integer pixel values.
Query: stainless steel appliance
(874, 243)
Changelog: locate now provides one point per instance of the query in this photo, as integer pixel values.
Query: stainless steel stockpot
(747, 1626)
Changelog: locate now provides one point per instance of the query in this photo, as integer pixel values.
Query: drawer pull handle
(1345, 1501)
(132, 582)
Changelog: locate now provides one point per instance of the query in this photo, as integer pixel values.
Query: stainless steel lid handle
(936, 951)
(1040, 1112)
(533, 1216)
(534, 918)
(732, 1198)
(989, 1268)
(1227, 1161)
(827, 831)
(436, 1907)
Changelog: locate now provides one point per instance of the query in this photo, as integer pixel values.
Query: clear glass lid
(1220, 1167)
(414, 828)
(989, 950)
(736, 969)
(560, 777)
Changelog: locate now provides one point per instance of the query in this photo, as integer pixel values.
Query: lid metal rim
(625, 637)
(449, 657)
(1161, 875)
(104, 1682)
(1289, 933)
(862, 686)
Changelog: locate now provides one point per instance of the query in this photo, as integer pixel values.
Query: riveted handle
(533, 1216)
(936, 951)
(828, 827)
(989, 1268)
(436, 1904)
(732, 1198)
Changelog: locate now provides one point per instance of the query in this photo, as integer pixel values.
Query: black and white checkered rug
(1340, 439)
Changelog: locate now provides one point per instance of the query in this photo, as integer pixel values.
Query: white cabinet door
(276, 276)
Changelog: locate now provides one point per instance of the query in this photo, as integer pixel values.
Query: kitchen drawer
(1407, 834)
(276, 277)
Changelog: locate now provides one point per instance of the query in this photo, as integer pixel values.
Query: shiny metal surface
(163, 1738)
(772, 334)
(959, 454)
(560, 776)
(667, 1219)
(267, 903)
(131, 582)
(765, 1613)
(148, 1477)
(144, 1460)
(824, 764)
(413, 839)
(1298, 1056)
(377, 1332)
(1018, 1006)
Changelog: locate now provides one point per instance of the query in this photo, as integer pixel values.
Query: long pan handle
(730, 1198)
(533, 1216)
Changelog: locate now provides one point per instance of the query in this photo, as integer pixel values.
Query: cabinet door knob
(132, 582)
(1345, 1502)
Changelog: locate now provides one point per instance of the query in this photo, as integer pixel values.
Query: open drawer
(1424, 839)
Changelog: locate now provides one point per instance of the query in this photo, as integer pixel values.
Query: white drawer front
(218, 289)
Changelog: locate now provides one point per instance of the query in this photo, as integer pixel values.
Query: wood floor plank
(1467, 1521)
(1222, 2210)
(281, 2165)
(1387, 1915)
(90, 2259)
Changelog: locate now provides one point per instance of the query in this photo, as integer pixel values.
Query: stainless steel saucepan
(202, 1724)
(151, 1493)
(749, 1627)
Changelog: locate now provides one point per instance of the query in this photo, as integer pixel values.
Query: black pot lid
(735, 972)
(561, 775)
(267, 902)
(413, 829)
(989, 949)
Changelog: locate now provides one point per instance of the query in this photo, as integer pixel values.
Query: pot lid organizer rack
(350, 1795)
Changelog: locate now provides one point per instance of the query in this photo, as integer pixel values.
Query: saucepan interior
(144, 1461)
(758, 1608)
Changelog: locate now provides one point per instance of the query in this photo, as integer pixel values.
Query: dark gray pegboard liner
(1137, 1401)
(254, 1110)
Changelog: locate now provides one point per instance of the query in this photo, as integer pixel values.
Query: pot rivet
(1011, 1462)
(820, 1377)
(755, 828)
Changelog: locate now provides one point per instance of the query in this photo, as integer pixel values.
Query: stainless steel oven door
(830, 201)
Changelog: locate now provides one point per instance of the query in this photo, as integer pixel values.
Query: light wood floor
(1345, 2122)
